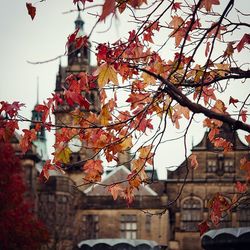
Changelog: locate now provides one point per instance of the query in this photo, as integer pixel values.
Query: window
(229, 166)
(191, 214)
(220, 165)
(128, 226)
(211, 165)
(90, 226)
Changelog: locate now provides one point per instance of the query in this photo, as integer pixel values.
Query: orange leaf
(193, 161)
(207, 4)
(31, 10)
(115, 190)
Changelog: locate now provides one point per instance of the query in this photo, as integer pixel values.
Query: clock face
(75, 145)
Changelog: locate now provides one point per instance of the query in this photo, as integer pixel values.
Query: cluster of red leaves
(19, 227)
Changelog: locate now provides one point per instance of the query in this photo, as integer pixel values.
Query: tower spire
(79, 22)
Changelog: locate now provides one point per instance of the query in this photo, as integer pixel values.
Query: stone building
(217, 173)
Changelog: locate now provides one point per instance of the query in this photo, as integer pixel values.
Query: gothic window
(191, 214)
(128, 226)
(90, 226)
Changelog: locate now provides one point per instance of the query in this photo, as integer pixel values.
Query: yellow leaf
(63, 155)
(148, 79)
(223, 69)
(127, 143)
(105, 115)
(106, 73)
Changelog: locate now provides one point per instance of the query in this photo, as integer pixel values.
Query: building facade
(217, 173)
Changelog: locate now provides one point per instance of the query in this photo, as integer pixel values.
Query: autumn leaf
(241, 187)
(44, 110)
(193, 161)
(106, 73)
(126, 143)
(93, 165)
(7, 129)
(243, 115)
(45, 171)
(115, 190)
(93, 170)
(62, 153)
(229, 50)
(233, 101)
(203, 227)
(31, 10)
(72, 37)
(107, 9)
(27, 139)
(207, 4)
(222, 143)
(128, 195)
(10, 109)
(176, 22)
(134, 179)
(105, 115)
(245, 39)
(176, 6)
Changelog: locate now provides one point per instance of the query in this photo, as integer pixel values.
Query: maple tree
(20, 229)
(207, 40)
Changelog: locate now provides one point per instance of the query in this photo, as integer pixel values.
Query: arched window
(191, 213)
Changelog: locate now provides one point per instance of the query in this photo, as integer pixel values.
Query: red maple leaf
(233, 101)
(241, 187)
(245, 39)
(243, 115)
(44, 110)
(176, 6)
(72, 37)
(26, 140)
(31, 10)
(10, 109)
(203, 227)
(107, 9)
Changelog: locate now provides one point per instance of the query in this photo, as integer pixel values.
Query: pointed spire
(79, 22)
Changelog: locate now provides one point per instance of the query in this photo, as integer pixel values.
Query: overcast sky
(45, 37)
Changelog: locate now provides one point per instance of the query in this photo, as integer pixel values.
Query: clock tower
(78, 61)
